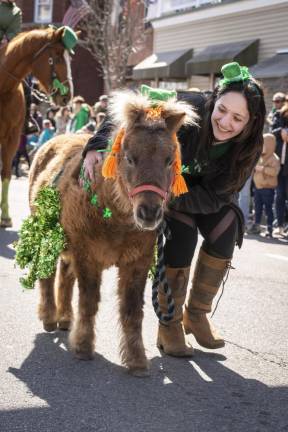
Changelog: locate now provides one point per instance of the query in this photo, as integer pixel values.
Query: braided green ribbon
(57, 85)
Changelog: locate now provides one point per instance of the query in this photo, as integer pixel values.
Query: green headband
(157, 95)
(233, 72)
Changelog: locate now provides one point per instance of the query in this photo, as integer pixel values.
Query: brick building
(87, 80)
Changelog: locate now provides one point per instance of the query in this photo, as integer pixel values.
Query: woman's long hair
(247, 146)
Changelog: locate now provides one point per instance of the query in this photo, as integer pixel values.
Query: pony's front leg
(47, 307)
(82, 337)
(65, 282)
(132, 280)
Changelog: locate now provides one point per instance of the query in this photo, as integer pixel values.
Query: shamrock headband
(233, 72)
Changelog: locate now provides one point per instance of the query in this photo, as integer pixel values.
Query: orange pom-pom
(179, 186)
(109, 167)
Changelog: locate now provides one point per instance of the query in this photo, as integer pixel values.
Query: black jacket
(279, 122)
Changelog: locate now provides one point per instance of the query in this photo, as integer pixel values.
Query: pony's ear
(174, 121)
(78, 33)
(59, 33)
(134, 116)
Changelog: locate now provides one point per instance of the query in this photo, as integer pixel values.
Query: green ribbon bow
(57, 85)
(233, 72)
(157, 95)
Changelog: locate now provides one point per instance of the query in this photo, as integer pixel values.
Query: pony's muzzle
(149, 216)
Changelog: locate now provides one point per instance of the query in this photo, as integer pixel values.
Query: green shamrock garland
(106, 212)
(41, 238)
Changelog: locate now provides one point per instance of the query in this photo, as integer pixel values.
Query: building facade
(212, 33)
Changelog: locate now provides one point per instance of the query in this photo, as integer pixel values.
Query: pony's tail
(109, 167)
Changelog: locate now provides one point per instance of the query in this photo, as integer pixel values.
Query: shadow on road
(101, 396)
(7, 237)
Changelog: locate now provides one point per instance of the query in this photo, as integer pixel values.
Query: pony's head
(51, 64)
(145, 158)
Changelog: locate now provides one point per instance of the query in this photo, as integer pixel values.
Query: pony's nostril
(141, 212)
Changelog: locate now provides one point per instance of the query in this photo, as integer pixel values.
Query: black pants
(219, 231)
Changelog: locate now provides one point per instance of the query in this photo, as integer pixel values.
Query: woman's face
(230, 116)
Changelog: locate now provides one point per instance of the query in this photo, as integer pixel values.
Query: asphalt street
(242, 387)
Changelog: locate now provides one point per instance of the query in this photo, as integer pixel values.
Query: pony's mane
(125, 103)
(29, 37)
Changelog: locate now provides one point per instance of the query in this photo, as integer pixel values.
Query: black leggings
(218, 229)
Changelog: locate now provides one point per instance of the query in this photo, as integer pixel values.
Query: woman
(280, 130)
(218, 157)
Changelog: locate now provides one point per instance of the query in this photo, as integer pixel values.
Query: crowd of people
(263, 198)
(79, 117)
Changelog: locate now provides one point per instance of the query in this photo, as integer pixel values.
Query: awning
(212, 58)
(170, 64)
(273, 67)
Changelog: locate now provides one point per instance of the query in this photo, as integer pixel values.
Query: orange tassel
(109, 167)
(179, 186)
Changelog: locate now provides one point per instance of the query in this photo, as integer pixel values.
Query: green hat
(233, 72)
(69, 39)
(157, 95)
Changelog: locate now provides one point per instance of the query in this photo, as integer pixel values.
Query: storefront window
(43, 11)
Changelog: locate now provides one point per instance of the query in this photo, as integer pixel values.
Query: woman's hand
(92, 158)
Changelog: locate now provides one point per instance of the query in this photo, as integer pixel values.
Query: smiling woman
(217, 158)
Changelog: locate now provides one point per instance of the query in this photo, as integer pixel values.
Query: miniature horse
(41, 53)
(136, 197)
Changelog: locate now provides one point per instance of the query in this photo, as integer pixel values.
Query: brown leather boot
(171, 337)
(208, 276)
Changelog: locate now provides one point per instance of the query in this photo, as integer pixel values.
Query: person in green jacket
(10, 20)
(81, 114)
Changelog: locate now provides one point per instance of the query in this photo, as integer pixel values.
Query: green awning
(170, 64)
(212, 58)
(273, 67)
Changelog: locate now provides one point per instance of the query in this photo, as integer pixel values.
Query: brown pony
(136, 197)
(41, 53)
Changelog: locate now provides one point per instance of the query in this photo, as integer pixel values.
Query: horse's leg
(47, 308)
(82, 337)
(8, 151)
(132, 280)
(65, 282)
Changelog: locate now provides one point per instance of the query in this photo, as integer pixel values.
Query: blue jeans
(281, 197)
(264, 198)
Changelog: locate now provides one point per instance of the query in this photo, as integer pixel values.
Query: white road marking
(279, 257)
(202, 374)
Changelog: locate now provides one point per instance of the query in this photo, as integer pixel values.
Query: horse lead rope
(160, 277)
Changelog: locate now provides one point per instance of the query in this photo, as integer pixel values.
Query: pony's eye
(129, 160)
(168, 162)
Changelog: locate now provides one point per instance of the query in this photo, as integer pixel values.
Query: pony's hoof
(50, 327)
(84, 355)
(6, 223)
(139, 373)
(64, 325)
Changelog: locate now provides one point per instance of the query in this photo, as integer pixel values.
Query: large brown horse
(136, 197)
(41, 53)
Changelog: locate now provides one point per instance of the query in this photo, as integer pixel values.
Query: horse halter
(56, 83)
(148, 188)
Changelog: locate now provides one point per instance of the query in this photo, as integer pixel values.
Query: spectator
(50, 115)
(36, 116)
(100, 117)
(101, 106)
(278, 102)
(81, 114)
(62, 119)
(265, 180)
(47, 133)
(280, 130)
(10, 20)
(22, 151)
